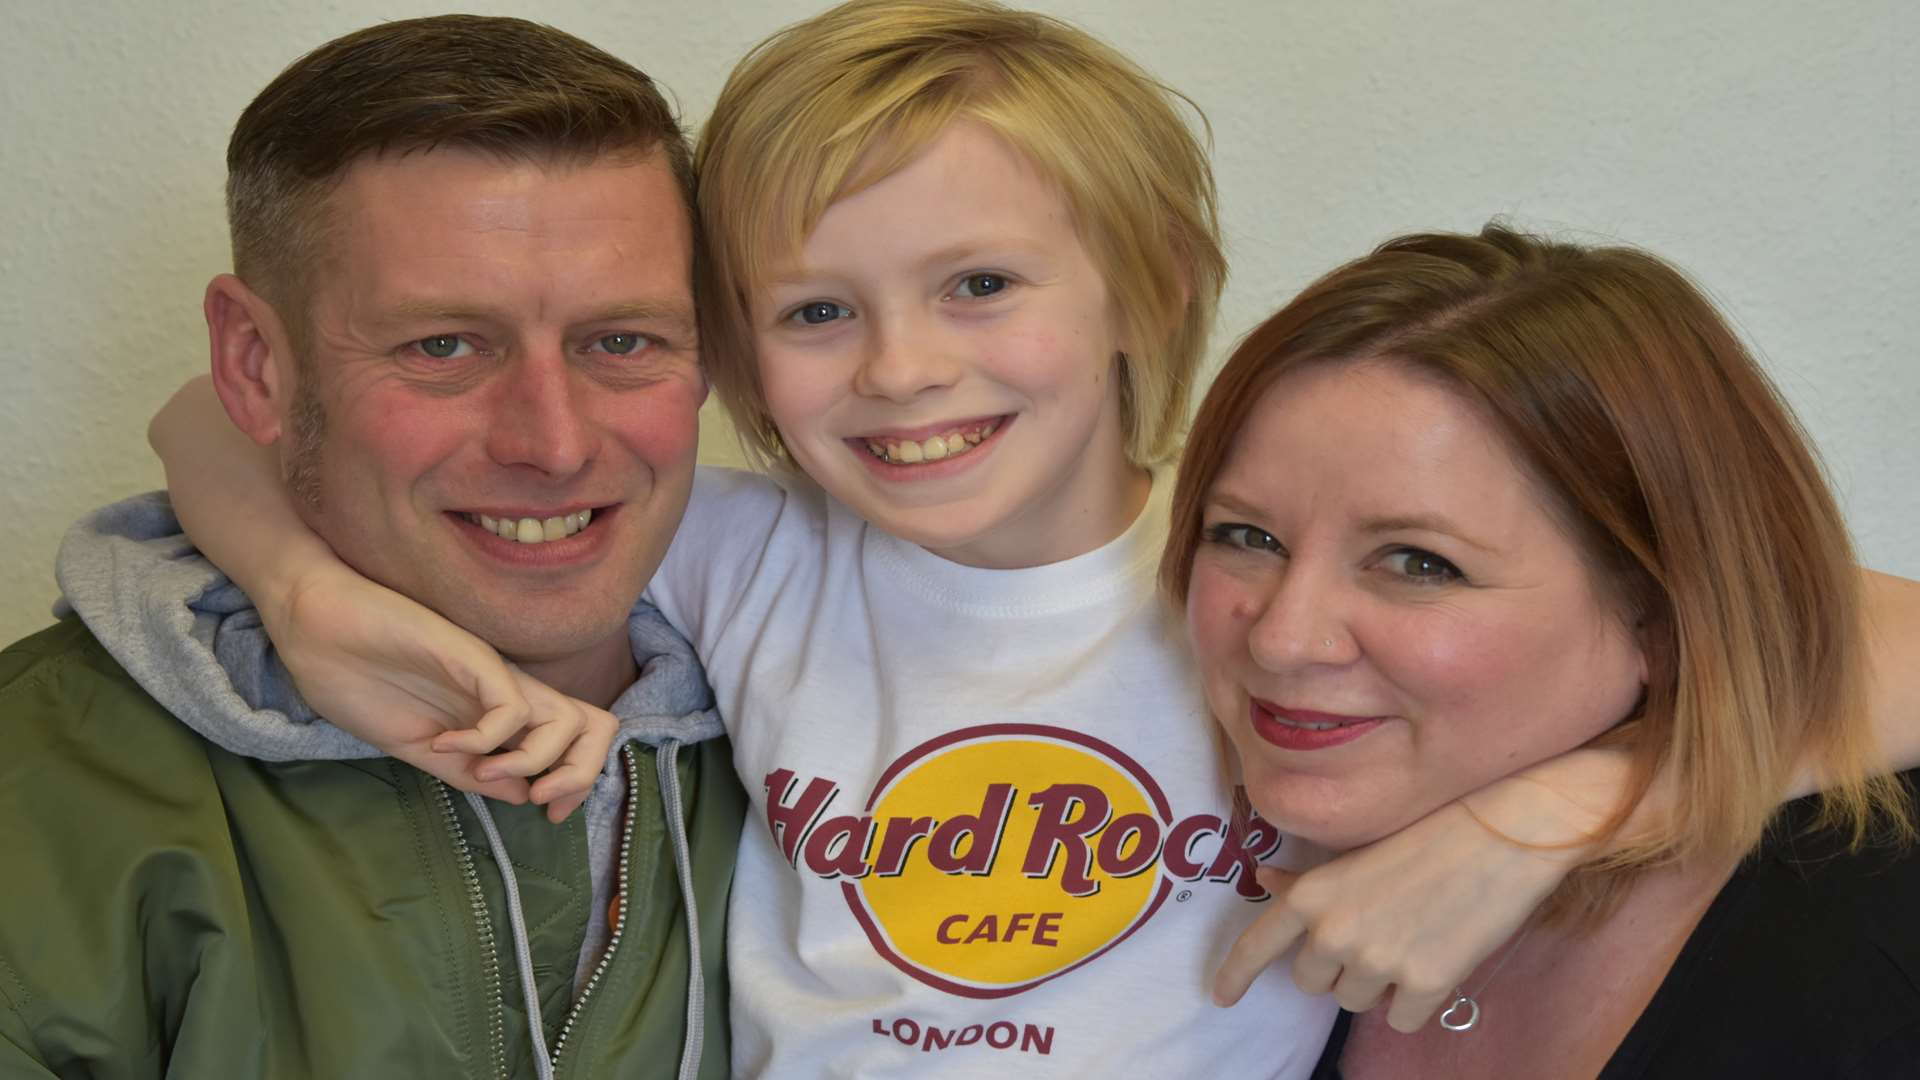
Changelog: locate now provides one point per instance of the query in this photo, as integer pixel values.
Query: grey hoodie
(193, 640)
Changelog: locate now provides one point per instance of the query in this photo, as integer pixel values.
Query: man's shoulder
(61, 688)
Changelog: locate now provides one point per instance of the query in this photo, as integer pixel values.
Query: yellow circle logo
(1007, 855)
(994, 858)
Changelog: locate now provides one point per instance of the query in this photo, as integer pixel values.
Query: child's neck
(1091, 513)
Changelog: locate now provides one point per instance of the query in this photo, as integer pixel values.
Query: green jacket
(172, 909)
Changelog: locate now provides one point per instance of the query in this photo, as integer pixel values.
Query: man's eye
(819, 312)
(1234, 534)
(620, 344)
(981, 285)
(443, 346)
(1423, 567)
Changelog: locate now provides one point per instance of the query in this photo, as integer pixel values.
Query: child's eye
(622, 344)
(819, 313)
(980, 285)
(1235, 534)
(443, 347)
(1422, 567)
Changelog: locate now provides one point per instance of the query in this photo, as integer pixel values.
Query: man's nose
(540, 416)
(902, 358)
(1298, 620)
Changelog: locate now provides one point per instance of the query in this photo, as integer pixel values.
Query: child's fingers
(491, 731)
(460, 771)
(1262, 943)
(558, 809)
(470, 741)
(536, 754)
(1411, 1008)
(580, 764)
(500, 723)
(510, 789)
(1358, 991)
(556, 721)
(565, 781)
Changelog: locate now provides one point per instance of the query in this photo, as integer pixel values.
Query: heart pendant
(1461, 1015)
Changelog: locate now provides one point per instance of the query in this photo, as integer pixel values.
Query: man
(461, 307)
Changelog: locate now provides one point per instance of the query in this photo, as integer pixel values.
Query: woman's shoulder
(1806, 964)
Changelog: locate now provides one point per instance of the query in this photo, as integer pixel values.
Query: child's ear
(252, 357)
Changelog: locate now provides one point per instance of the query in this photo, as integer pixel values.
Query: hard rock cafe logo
(994, 858)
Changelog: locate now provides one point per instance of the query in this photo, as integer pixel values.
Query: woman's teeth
(528, 530)
(936, 448)
(1306, 726)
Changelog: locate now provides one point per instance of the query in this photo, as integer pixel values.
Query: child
(961, 265)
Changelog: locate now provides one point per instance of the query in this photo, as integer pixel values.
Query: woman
(1470, 502)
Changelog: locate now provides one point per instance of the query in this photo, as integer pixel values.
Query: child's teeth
(934, 448)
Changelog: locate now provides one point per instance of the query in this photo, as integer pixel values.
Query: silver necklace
(1464, 1013)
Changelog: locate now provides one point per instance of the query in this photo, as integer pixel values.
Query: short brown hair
(502, 86)
(1676, 465)
(840, 101)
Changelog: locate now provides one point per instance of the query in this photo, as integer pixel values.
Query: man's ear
(252, 358)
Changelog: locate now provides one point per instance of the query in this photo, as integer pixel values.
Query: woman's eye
(443, 346)
(1236, 535)
(620, 344)
(981, 285)
(819, 313)
(1422, 566)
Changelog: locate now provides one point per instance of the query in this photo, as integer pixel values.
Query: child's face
(942, 361)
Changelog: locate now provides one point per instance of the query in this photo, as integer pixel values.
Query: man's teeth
(528, 530)
(936, 448)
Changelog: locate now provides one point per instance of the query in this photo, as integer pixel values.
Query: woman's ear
(252, 358)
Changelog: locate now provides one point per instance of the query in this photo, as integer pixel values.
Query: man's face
(503, 342)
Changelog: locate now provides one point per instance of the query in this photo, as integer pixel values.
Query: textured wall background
(1769, 146)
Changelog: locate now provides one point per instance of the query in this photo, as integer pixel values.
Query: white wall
(1767, 145)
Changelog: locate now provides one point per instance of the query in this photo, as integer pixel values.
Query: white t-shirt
(990, 825)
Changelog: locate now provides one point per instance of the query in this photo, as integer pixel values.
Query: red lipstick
(1302, 729)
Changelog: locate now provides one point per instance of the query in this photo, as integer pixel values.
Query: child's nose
(899, 364)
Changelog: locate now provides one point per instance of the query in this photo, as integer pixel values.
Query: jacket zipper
(620, 909)
(483, 924)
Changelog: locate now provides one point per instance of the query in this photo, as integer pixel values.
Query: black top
(1807, 965)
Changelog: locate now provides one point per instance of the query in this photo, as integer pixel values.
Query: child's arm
(370, 660)
(1417, 911)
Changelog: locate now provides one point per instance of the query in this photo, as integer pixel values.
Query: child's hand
(1415, 912)
(397, 675)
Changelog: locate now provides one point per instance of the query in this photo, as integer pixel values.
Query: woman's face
(1386, 612)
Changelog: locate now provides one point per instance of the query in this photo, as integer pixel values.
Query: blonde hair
(1680, 470)
(834, 104)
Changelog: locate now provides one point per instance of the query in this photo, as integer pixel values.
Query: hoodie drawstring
(665, 757)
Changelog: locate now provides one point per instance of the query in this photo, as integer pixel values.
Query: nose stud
(1326, 643)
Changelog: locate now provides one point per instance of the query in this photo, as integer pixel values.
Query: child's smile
(943, 361)
(910, 448)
